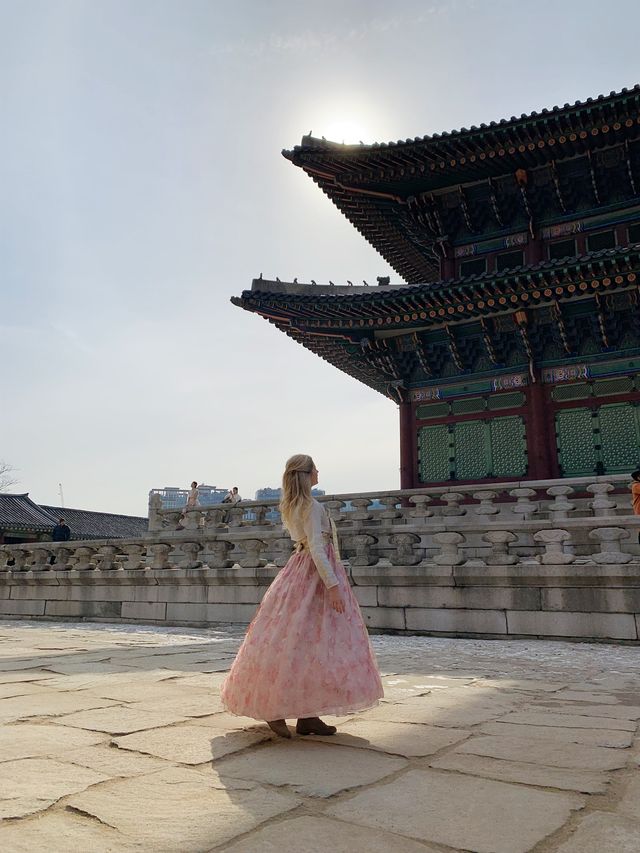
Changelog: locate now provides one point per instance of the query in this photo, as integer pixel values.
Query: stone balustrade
(538, 559)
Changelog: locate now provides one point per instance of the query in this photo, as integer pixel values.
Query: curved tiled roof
(86, 524)
(19, 512)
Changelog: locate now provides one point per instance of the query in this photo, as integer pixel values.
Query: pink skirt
(299, 657)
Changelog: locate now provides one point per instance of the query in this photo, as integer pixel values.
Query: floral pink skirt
(299, 657)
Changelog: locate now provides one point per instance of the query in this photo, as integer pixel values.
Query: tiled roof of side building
(86, 524)
(19, 512)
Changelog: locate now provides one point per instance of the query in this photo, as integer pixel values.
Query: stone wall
(558, 560)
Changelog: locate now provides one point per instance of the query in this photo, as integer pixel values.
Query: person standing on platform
(307, 651)
(635, 494)
(192, 501)
(61, 533)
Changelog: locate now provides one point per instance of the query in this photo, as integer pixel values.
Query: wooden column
(542, 465)
(407, 436)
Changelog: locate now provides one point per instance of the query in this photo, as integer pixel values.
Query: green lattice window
(512, 400)
(602, 441)
(467, 405)
(432, 410)
(473, 449)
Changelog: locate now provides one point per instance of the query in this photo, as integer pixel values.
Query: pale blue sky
(142, 185)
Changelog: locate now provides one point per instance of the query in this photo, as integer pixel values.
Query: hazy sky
(142, 185)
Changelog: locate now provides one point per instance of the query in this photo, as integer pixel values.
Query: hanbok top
(313, 533)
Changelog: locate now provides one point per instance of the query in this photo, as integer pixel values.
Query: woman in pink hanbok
(307, 651)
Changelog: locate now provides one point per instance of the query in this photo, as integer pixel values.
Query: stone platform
(112, 738)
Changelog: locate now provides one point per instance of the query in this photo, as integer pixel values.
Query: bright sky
(142, 185)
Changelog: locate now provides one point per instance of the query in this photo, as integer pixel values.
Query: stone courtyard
(113, 738)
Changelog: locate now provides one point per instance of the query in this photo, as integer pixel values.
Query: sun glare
(346, 130)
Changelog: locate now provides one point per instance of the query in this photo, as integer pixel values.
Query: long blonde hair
(296, 499)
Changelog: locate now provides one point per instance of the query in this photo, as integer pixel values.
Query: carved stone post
(282, 550)
(449, 543)
(601, 505)
(406, 552)
(609, 539)
(234, 516)
(452, 500)
(390, 510)
(155, 520)
(250, 551)
(106, 557)
(158, 555)
(560, 507)
(421, 503)
(214, 518)
(83, 558)
(40, 561)
(361, 511)
(192, 518)
(500, 541)
(135, 556)
(19, 560)
(191, 551)
(334, 509)
(63, 559)
(361, 545)
(486, 507)
(217, 551)
(555, 542)
(524, 506)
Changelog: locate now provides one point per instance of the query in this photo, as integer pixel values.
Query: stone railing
(543, 559)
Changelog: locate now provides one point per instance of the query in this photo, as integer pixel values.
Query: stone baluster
(249, 553)
(452, 500)
(407, 551)
(64, 558)
(214, 518)
(601, 505)
(171, 519)
(560, 507)
(449, 543)
(524, 506)
(235, 515)
(40, 559)
(610, 550)
(217, 553)
(361, 511)
(557, 544)
(106, 558)
(486, 508)
(192, 518)
(334, 508)
(391, 510)
(5, 556)
(83, 558)
(282, 550)
(20, 556)
(135, 553)
(421, 507)
(500, 541)
(158, 555)
(191, 551)
(259, 513)
(155, 518)
(359, 549)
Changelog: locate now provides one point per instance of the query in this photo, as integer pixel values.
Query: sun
(346, 130)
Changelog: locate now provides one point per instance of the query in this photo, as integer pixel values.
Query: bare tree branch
(6, 476)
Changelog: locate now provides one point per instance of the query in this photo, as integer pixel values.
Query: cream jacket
(314, 534)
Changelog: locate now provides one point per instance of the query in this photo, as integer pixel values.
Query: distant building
(174, 498)
(268, 494)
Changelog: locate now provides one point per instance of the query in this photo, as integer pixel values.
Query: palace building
(512, 347)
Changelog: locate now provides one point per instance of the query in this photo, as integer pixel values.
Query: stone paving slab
(582, 781)
(313, 769)
(76, 833)
(456, 811)
(180, 810)
(191, 744)
(29, 785)
(323, 835)
(590, 737)
(420, 763)
(396, 738)
(601, 832)
(48, 705)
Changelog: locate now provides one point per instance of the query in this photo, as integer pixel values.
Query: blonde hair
(296, 500)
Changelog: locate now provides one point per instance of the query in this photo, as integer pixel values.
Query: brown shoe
(314, 726)
(279, 727)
